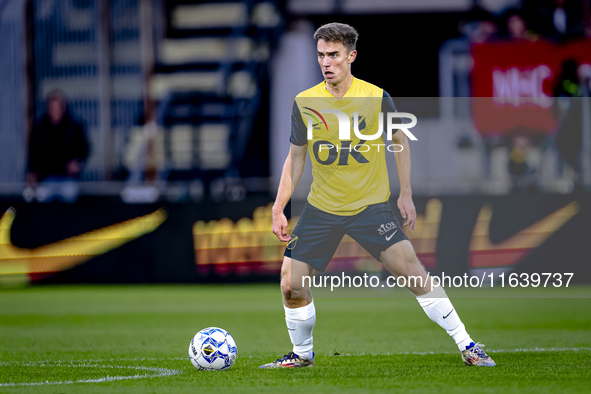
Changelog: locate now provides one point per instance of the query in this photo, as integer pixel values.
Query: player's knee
(286, 286)
(285, 271)
(291, 286)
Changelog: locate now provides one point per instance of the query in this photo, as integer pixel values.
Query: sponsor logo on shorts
(384, 228)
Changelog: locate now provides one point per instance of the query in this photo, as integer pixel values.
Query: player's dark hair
(338, 32)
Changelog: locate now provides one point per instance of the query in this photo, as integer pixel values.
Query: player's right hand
(280, 227)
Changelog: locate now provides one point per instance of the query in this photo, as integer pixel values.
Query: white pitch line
(541, 349)
(159, 372)
(98, 360)
(519, 350)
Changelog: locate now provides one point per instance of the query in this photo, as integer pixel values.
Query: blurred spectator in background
(558, 19)
(480, 27)
(522, 175)
(569, 138)
(568, 84)
(57, 150)
(516, 27)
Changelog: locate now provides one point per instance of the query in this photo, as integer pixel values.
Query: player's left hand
(407, 210)
(280, 226)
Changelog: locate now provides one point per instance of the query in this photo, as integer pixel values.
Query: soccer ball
(212, 349)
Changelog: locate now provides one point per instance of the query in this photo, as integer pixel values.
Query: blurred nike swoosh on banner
(483, 253)
(72, 251)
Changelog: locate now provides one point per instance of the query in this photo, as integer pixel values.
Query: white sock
(438, 307)
(300, 323)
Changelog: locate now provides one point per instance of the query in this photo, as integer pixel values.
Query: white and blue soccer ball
(212, 349)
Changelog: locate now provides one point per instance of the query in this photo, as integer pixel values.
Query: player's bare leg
(401, 260)
(295, 294)
(300, 314)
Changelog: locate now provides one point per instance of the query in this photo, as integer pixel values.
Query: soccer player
(349, 195)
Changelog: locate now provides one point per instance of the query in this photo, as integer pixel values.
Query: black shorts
(318, 234)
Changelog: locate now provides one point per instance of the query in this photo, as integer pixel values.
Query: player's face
(335, 61)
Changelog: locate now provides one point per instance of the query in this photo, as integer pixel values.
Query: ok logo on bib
(341, 152)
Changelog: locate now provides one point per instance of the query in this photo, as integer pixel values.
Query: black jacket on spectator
(51, 146)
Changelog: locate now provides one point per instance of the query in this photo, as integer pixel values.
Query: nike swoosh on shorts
(391, 235)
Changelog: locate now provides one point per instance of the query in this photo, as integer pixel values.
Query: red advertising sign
(513, 84)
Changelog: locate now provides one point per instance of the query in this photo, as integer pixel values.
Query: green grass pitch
(134, 339)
